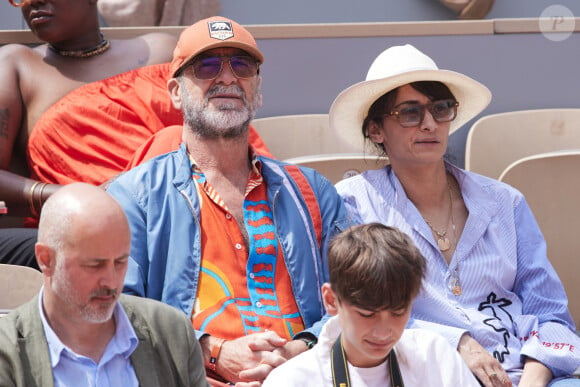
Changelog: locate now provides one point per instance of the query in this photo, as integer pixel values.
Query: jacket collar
(33, 347)
(32, 344)
(143, 356)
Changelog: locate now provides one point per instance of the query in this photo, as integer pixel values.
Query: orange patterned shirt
(242, 290)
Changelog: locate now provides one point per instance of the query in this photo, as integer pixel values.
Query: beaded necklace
(103, 46)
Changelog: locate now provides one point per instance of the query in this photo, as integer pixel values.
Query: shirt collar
(55, 346)
(254, 160)
(124, 342)
(255, 178)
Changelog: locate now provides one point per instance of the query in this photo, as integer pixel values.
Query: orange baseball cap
(211, 33)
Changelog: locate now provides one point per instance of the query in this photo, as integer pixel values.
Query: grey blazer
(168, 354)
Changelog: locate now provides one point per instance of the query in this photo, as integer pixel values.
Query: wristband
(31, 202)
(40, 192)
(214, 354)
(309, 342)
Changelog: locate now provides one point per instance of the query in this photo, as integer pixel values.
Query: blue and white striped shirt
(114, 368)
(512, 300)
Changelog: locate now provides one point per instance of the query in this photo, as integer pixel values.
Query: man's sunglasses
(411, 114)
(243, 66)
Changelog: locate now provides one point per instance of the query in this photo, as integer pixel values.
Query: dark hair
(375, 267)
(434, 90)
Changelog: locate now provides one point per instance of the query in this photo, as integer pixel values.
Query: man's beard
(96, 314)
(229, 121)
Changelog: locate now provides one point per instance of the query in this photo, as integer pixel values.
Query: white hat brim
(351, 106)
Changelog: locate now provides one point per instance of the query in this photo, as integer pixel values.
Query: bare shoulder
(148, 49)
(18, 52)
(20, 58)
(161, 45)
(160, 37)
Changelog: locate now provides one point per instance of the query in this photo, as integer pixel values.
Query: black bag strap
(395, 371)
(340, 377)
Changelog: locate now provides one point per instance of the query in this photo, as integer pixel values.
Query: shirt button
(259, 304)
(238, 246)
(252, 275)
(228, 216)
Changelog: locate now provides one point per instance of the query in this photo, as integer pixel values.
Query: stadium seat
(497, 140)
(551, 184)
(338, 166)
(18, 284)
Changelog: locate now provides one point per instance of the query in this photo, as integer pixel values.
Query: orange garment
(242, 290)
(168, 139)
(90, 134)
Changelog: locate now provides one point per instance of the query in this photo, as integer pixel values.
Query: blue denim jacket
(162, 205)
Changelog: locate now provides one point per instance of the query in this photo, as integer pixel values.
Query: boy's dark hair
(375, 267)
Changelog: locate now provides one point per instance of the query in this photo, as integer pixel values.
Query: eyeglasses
(410, 114)
(18, 3)
(242, 66)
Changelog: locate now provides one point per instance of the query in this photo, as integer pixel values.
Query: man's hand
(287, 351)
(248, 358)
(248, 384)
(535, 374)
(484, 366)
(291, 349)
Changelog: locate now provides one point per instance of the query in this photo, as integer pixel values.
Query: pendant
(454, 284)
(443, 243)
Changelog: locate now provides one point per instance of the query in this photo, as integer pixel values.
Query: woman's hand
(484, 366)
(535, 374)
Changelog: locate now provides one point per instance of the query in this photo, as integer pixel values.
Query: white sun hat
(395, 67)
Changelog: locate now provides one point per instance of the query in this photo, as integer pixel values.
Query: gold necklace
(442, 241)
(100, 48)
(444, 245)
(455, 283)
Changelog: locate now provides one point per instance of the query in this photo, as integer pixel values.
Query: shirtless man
(33, 79)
